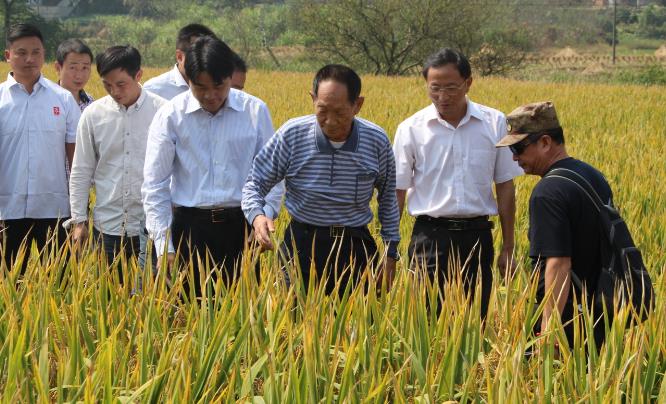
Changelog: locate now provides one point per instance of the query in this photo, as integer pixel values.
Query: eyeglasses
(448, 90)
(518, 148)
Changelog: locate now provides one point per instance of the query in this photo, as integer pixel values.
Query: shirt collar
(472, 111)
(134, 107)
(233, 101)
(40, 83)
(324, 145)
(177, 78)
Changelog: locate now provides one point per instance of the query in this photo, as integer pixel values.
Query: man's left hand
(505, 261)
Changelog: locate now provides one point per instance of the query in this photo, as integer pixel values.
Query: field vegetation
(70, 332)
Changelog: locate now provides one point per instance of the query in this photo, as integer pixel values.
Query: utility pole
(614, 28)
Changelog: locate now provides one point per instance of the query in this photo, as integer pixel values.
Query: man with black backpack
(572, 240)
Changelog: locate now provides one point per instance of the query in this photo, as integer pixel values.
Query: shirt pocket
(482, 165)
(364, 187)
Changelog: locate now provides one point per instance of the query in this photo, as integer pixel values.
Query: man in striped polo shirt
(331, 163)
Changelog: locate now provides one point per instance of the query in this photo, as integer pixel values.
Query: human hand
(263, 227)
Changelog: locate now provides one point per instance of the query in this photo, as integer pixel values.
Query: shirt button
(126, 193)
(127, 152)
(127, 134)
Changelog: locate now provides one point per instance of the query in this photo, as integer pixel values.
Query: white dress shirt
(33, 131)
(205, 158)
(111, 148)
(447, 171)
(167, 85)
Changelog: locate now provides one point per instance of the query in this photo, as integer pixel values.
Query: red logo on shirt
(56, 111)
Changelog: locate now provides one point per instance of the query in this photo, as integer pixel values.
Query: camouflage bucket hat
(527, 119)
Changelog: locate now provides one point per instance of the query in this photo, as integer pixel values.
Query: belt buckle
(336, 231)
(457, 225)
(217, 215)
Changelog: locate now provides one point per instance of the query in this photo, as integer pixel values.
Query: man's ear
(358, 104)
(58, 67)
(180, 56)
(6, 54)
(313, 96)
(138, 75)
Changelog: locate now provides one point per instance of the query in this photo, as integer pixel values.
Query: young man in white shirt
(200, 150)
(38, 122)
(174, 82)
(446, 164)
(110, 149)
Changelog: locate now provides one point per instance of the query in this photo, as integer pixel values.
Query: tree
(390, 36)
(9, 9)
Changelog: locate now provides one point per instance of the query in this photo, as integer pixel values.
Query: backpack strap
(579, 180)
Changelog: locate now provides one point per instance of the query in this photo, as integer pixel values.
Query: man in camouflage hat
(564, 223)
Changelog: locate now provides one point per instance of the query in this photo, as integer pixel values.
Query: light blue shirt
(328, 185)
(197, 159)
(167, 85)
(33, 131)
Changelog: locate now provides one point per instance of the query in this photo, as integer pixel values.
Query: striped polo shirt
(325, 185)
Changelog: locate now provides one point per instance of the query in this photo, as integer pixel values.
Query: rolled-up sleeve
(155, 191)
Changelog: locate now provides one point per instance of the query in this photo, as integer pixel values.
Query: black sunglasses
(518, 148)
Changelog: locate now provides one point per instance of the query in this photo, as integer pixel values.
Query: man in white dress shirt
(110, 148)
(38, 122)
(446, 164)
(174, 82)
(200, 150)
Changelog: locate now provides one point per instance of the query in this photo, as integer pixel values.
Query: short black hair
(72, 46)
(125, 57)
(209, 55)
(239, 64)
(341, 74)
(557, 134)
(22, 30)
(189, 33)
(447, 56)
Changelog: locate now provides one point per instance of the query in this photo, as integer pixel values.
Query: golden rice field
(70, 333)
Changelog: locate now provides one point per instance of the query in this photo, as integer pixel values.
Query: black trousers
(219, 234)
(37, 230)
(440, 250)
(339, 254)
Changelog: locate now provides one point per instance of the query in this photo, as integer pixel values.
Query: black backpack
(623, 277)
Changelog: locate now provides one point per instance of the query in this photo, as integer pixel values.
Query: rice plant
(71, 332)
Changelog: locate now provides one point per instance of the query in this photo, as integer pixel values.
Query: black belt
(215, 215)
(333, 231)
(458, 223)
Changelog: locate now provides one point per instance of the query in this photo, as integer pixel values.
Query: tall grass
(70, 332)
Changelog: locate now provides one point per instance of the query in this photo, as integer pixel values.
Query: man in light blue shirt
(200, 150)
(38, 122)
(174, 82)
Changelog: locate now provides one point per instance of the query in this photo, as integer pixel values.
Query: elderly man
(200, 150)
(38, 122)
(331, 162)
(446, 165)
(564, 224)
(174, 82)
